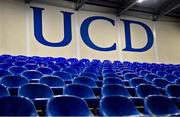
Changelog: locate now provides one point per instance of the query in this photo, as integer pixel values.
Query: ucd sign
(84, 32)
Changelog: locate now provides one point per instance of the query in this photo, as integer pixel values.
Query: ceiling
(155, 8)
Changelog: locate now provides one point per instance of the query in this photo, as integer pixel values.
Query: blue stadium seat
(3, 91)
(71, 71)
(113, 81)
(85, 80)
(68, 106)
(118, 106)
(55, 67)
(32, 74)
(77, 68)
(169, 71)
(161, 83)
(111, 90)
(19, 63)
(177, 81)
(110, 75)
(160, 106)
(105, 71)
(14, 81)
(176, 73)
(16, 106)
(64, 75)
(92, 71)
(161, 73)
(138, 69)
(154, 70)
(16, 70)
(79, 90)
(31, 61)
(61, 65)
(90, 74)
(173, 90)
(137, 81)
(150, 76)
(171, 78)
(143, 72)
(4, 73)
(33, 91)
(52, 81)
(30, 66)
(127, 71)
(5, 66)
(45, 70)
(145, 90)
(129, 76)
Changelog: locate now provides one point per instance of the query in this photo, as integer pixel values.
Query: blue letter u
(38, 32)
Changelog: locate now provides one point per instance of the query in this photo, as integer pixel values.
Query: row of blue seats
(60, 78)
(34, 91)
(105, 63)
(75, 106)
(33, 66)
(110, 80)
(128, 74)
(74, 60)
(169, 68)
(55, 81)
(74, 71)
(142, 90)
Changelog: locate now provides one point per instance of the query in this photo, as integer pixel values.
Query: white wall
(168, 39)
(13, 27)
(17, 35)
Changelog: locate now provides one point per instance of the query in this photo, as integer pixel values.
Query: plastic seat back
(19, 63)
(143, 72)
(16, 106)
(111, 90)
(30, 66)
(45, 70)
(79, 90)
(67, 106)
(71, 71)
(177, 81)
(14, 81)
(3, 91)
(129, 76)
(137, 81)
(5, 66)
(161, 83)
(161, 73)
(52, 81)
(113, 81)
(33, 91)
(173, 90)
(160, 106)
(90, 74)
(64, 75)
(117, 106)
(32, 74)
(55, 67)
(4, 73)
(171, 78)
(149, 76)
(110, 75)
(85, 80)
(176, 73)
(16, 70)
(145, 90)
